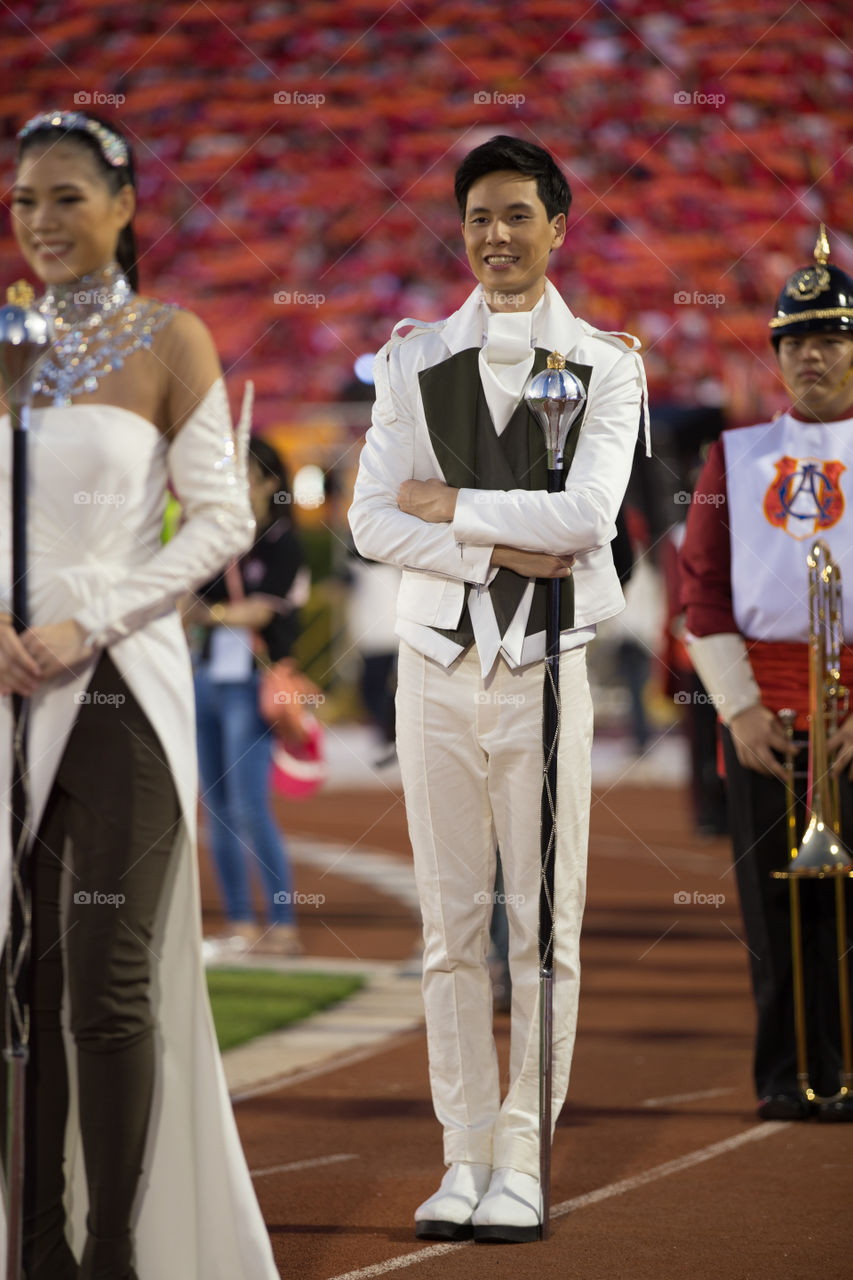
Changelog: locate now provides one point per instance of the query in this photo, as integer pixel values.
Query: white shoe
(510, 1210)
(447, 1214)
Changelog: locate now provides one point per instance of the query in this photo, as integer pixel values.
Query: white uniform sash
(789, 483)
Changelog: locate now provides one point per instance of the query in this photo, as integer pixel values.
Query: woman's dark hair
(272, 464)
(116, 177)
(505, 152)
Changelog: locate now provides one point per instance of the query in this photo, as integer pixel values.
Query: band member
(765, 494)
(134, 1132)
(452, 489)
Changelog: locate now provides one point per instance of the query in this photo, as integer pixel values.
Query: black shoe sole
(835, 1113)
(441, 1230)
(784, 1109)
(495, 1233)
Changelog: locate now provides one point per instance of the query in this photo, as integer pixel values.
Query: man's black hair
(504, 152)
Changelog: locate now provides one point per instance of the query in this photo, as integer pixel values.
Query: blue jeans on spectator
(234, 752)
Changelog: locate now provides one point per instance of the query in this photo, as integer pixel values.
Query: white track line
(685, 1097)
(302, 1164)
(764, 1130)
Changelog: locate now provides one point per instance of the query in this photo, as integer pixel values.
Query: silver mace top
(555, 397)
(25, 335)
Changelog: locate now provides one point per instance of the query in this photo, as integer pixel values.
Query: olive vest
(472, 455)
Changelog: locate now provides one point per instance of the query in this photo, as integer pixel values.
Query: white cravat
(506, 360)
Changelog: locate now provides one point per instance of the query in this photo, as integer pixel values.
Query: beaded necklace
(99, 322)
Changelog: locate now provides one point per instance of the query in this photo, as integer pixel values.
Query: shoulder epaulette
(615, 337)
(414, 328)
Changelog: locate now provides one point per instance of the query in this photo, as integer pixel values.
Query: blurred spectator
(247, 614)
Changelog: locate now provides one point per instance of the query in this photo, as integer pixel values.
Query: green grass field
(252, 1002)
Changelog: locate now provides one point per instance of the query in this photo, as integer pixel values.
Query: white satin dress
(98, 478)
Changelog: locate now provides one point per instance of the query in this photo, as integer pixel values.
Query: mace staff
(25, 335)
(555, 397)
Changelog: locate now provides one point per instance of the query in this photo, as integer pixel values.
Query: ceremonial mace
(555, 397)
(25, 334)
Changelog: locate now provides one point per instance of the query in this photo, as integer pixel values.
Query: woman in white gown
(147, 1178)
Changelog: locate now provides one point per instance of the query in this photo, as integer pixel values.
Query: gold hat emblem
(808, 284)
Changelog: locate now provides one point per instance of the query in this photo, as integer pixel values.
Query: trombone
(821, 853)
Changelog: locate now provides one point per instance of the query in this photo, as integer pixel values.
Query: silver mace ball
(555, 397)
(25, 335)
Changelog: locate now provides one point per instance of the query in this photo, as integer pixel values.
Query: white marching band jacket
(439, 559)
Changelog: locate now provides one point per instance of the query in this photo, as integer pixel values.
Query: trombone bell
(821, 853)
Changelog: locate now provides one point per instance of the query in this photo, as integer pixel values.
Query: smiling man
(765, 495)
(452, 487)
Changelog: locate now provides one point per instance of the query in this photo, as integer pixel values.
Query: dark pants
(757, 821)
(114, 799)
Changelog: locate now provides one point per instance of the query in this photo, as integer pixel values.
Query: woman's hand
(532, 564)
(57, 647)
(19, 673)
(430, 500)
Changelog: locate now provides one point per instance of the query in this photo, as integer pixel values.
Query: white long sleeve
(207, 470)
(583, 516)
(381, 530)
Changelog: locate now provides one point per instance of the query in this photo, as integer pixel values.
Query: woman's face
(65, 218)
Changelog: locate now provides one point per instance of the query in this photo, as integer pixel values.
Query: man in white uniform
(452, 488)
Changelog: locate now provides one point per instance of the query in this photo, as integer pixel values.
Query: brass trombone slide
(821, 853)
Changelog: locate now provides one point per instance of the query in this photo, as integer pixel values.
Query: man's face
(816, 369)
(508, 237)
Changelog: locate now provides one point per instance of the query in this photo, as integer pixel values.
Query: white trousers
(471, 758)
